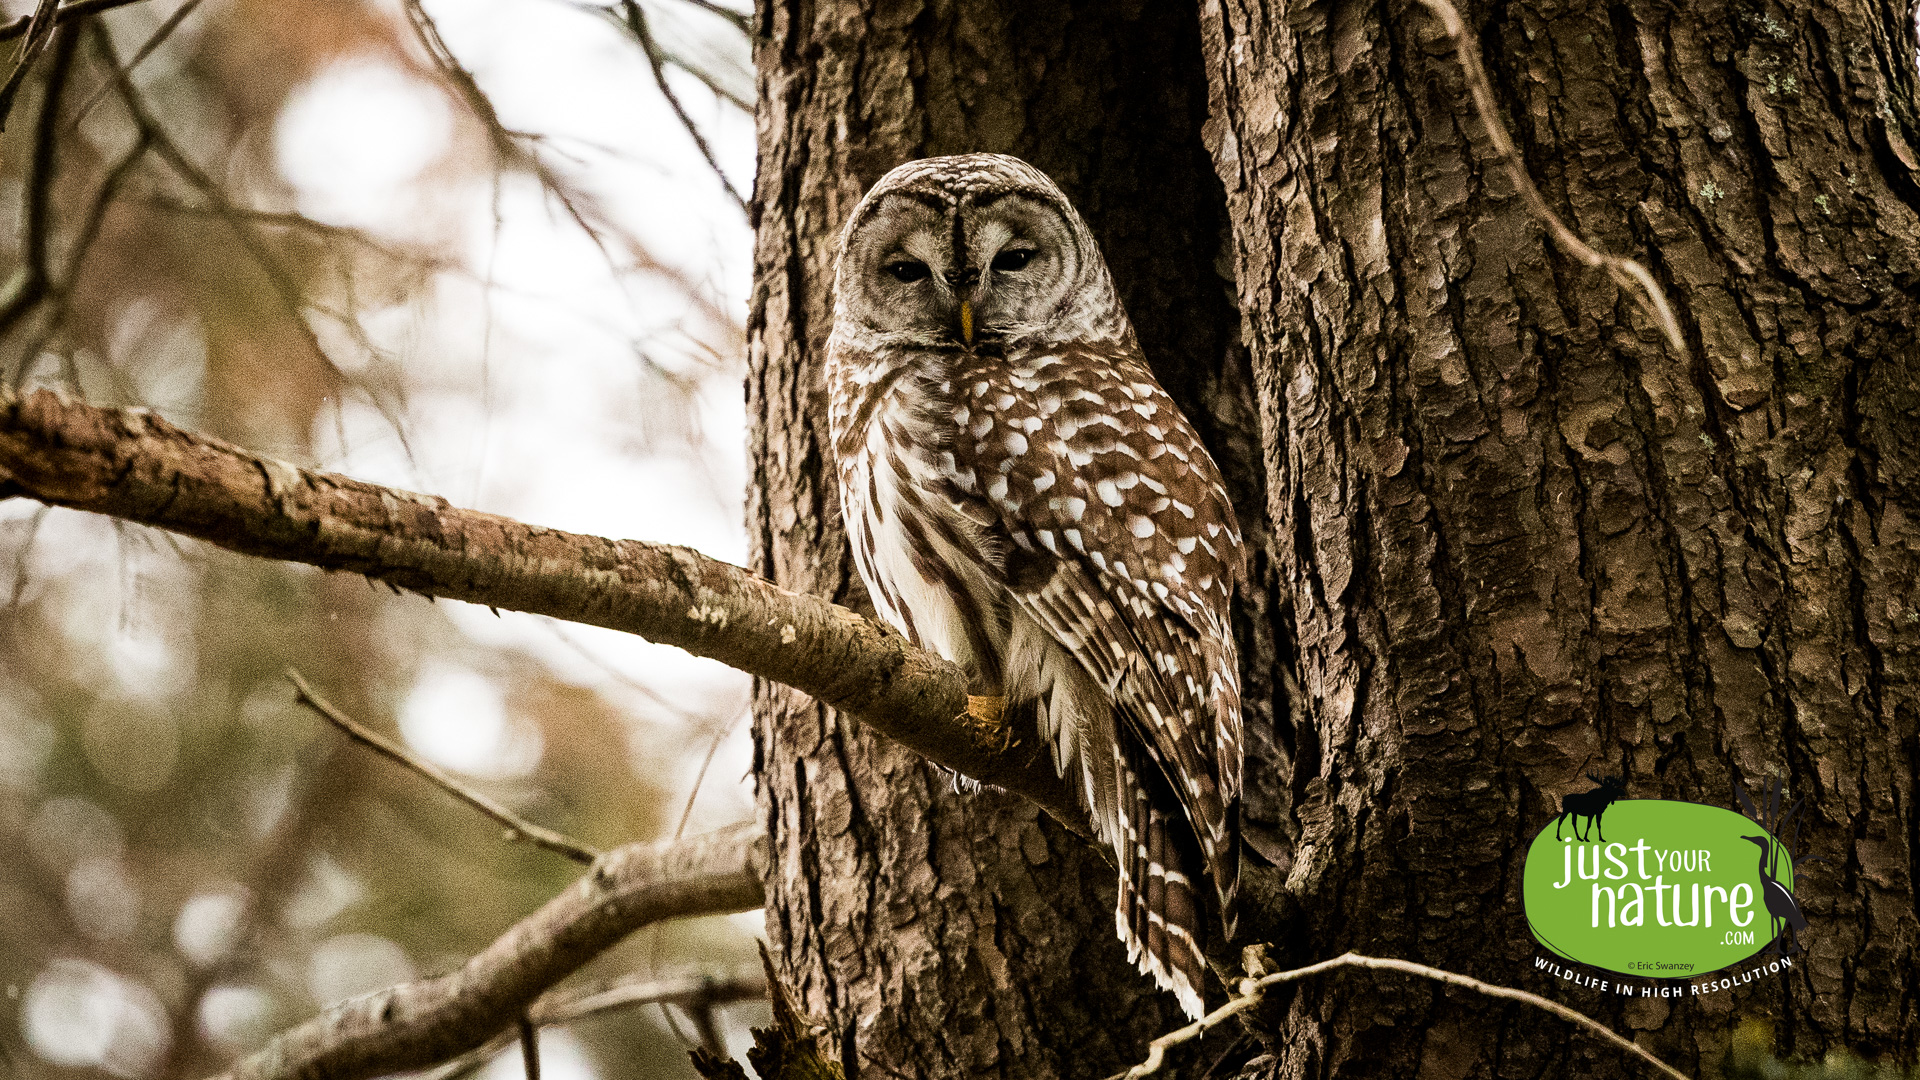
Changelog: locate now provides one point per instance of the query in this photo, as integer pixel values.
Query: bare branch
(61, 293)
(78, 10)
(130, 464)
(284, 286)
(345, 236)
(1253, 990)
(705, 1027)
(146, 49)
(568, 1006)
(97, 212)
(614, 673)
(1625, 273)
(418, 1024)
(23, 556)
(706, 79)
(510, 146)
(517, 149)
(720, 733)
(741, 20)
(30, 283)
(747, 984)
(518, 828)
(529, 1047)
(39, 31)
(636, 23)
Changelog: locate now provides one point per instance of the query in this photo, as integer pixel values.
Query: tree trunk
(1504, 535)
(942, 934)
(1525, 539)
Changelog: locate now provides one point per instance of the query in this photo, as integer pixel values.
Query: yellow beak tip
(966, 321)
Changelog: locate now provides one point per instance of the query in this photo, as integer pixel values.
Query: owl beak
(966, 322)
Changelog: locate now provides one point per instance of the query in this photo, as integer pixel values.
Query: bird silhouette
(1780, 902)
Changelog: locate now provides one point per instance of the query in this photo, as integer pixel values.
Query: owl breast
(919, 540)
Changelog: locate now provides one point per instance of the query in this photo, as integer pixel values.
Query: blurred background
(488, 249)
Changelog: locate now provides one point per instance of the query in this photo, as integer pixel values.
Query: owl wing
(1123, 546)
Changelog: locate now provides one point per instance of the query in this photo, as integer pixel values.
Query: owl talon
(986, 709)
(986, 716)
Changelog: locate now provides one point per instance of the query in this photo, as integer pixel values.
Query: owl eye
(1013, 259)
(907, 270)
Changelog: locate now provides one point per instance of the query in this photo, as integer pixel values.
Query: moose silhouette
(1590, 805)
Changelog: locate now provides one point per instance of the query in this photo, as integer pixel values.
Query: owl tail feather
(1158, 914)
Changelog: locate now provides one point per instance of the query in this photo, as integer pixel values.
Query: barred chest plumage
(920, 540)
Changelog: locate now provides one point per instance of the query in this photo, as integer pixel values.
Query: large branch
(417, 1024)
(132, 465)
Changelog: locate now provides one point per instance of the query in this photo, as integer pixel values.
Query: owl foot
(986, 717)
(962, 783)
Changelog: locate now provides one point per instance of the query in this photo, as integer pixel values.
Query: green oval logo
(1676, 889)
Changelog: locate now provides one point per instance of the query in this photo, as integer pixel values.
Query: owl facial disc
(980, 249)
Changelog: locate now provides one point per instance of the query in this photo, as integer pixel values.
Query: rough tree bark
(942, 934)
(1508, 536)
(1525, 540)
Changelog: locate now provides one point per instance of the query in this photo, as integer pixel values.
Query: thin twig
(23, 558)
(1625, 273)
(529, 1047)
(30, 283)
(740, 19)
(284, 286)
(666, 1017)
(718, 88)
(636, 20)
(704, 1025)
(555, 628)
(521, 149)
(510, 146)
(97, 211)
(749, 983)
(741, 22)
(699, 778)
(177, 160)
(38, 32)
(77, 10)
(146, 49)
(559, 1007)
(518, 828)
(61, 294)
(293, 222)
(420, 1024)
(1252, 991)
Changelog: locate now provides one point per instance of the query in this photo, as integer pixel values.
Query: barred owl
(1025, 500)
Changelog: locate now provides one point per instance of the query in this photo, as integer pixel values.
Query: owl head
(970, 250)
